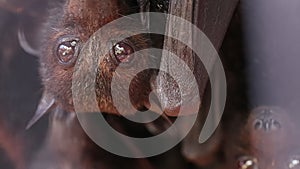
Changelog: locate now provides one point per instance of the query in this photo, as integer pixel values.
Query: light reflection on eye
(123, 52)
(294, 163)
(67, 50)
(247, 162)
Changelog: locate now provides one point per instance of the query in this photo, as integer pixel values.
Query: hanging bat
(67, 30)
(69, 26)
(267, 139)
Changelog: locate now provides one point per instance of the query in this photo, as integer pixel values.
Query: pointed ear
(25, 44)
(46, 103)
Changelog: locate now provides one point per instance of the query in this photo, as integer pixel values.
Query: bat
(266, 139)
(69, 26)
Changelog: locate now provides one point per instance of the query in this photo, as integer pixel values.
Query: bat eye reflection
(123, 52)
(67, 51)
(247, 162)
(294, 163)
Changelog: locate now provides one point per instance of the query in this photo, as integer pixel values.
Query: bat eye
(294, 163)
(123, 52)
(67, 51)
(247, 162)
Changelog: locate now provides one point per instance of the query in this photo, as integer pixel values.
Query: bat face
(66, 33)
(267, 141)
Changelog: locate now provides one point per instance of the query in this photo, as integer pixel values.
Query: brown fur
(81, 19)
(67, 146)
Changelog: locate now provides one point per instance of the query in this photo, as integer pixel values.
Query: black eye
(247, 162)
(123, 52)
(67, 51)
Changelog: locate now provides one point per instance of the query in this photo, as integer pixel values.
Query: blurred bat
(267, 139)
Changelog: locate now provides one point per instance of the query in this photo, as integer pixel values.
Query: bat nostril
(266, 124)
(258, 124)
(274, 125)
(266, 119)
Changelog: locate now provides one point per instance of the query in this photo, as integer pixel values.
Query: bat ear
(46, 103)
(25, 44)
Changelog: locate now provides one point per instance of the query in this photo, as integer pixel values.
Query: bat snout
(268, 124)
(267, 119)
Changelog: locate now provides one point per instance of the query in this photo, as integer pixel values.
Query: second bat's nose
(266, 121)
